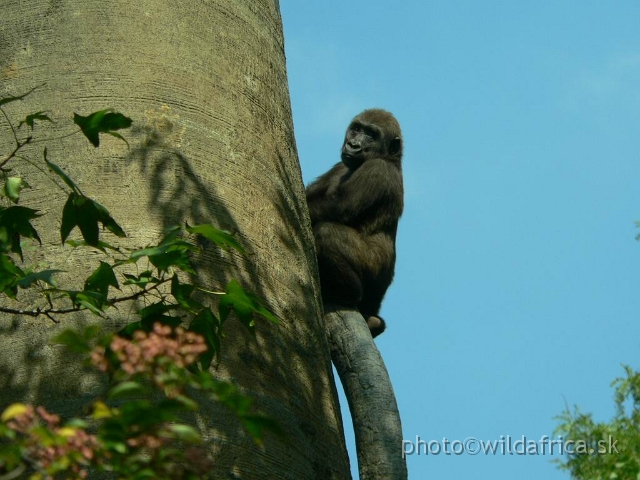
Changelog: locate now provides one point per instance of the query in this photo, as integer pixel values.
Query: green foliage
(220, 238)
(58, 171)
(12, 188)
(138, 431)
(102, 279)
(10, 276)
(172, 251)
(620, 459)
(244, 304)
(104, 121)
(145, 422)
(15, 223)
(622, 432)
(206, 323)
(84, 213)
(79, 341)
(168, 263)
(45, 276)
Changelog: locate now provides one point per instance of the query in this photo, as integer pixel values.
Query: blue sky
(518, 273)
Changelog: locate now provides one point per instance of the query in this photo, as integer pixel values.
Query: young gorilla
(354, 210)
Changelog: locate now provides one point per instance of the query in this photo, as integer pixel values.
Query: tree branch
(376, 420)
(49, 312)
(19, 145)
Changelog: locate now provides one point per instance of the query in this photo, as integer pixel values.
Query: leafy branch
(168, 262)
(51, 311)
(154, 362)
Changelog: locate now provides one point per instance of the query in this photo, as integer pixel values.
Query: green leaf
(156, 309)
(126, 389)
(4, 101)
(147, 252)
(145, 474)
(182, 294)
(185, 433)
(10, 274)
(156, 313)
(221, 238)
(92, 301)
(12, 188)
(104, 121)
(69, 217)
(87, 220)
(127, 332)
(102, 246)
(101, 279)
(74, 341)
(179, 403)
(107, 220)
(15, 222)
(207, 325)
(43, 276)
(244, 304)
(85, 213)
(174, 258)
(30, 119)
(172, 251)
(119, 447)
(58, 171)
(144, 414)
(141, 280)
(76, 423)
(162, 248)
(256, 425)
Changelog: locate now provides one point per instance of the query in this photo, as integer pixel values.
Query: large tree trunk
(205, 84)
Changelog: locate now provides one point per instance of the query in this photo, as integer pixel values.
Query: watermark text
(508, 445)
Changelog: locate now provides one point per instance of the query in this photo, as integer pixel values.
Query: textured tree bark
(368, 389)
(212, 141)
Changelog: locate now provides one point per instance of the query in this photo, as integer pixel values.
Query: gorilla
(354, 209)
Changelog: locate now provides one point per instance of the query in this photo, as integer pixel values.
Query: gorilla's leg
(340, 250)
(376, 324)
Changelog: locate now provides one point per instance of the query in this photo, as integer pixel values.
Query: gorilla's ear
(395, 145)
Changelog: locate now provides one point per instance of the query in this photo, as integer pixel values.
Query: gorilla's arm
(320, 194)
(372, 195)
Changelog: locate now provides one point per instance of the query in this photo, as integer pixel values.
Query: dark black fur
(354, 210)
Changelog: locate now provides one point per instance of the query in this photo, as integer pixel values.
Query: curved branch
(376, 420)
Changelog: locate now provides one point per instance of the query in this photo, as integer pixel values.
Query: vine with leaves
(154, 362)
